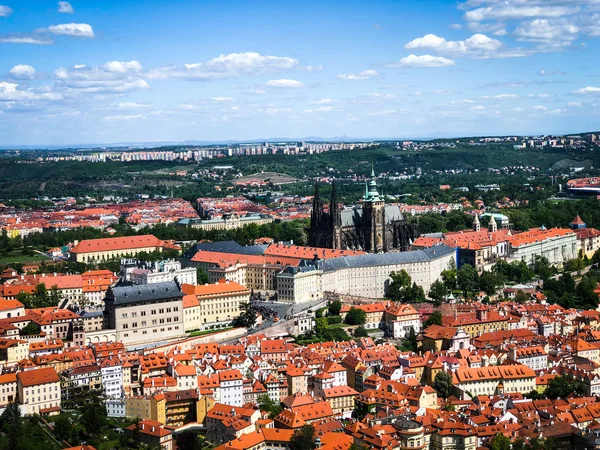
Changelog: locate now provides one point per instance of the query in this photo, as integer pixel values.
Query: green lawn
(17, 257)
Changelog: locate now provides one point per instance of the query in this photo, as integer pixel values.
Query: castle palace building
(373, 227)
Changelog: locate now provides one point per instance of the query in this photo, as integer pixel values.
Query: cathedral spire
(317, 210)
(333, 205)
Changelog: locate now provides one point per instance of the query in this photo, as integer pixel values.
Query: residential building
(38, 391)
(218, 304)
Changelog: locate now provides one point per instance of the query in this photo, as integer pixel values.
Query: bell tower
(374, 217)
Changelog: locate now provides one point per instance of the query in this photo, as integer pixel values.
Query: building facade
(143, 314)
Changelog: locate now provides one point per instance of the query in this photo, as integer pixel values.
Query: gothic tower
(335, 213)
(374, 217)
(316, 220)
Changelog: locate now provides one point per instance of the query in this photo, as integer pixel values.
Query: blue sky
(102, 71)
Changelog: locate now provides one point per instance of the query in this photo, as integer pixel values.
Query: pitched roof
(38, 376)
(117, 243)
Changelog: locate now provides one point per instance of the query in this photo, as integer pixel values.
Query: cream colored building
(8, 389)
(218, 303)
(227, 222)
(13, 350)
(145, 314)
(39, 391)
(93, 250)
(495, 380)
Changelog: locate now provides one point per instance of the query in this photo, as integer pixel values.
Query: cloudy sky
(101, 71)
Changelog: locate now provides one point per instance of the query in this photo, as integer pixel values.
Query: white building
(139, 272)
(556, 244)
(362, 275)
(535, 357)
(232, 387)
(112, 378)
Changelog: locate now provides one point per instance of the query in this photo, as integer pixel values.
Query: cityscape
(299, 226)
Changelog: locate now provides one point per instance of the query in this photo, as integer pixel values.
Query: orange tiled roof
(38, 376)
(119, 243)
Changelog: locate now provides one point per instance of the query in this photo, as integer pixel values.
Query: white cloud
(364, 75)
(574, 104)
(507, 12)
(550, 72)
(543, 31)
(228, 66)
(222, 99)
(285, 83)
(128, 117)
(319, 109)
(65, 8)
(380, 95)
(424, 61)
(323, 101)
(11, 92)
(22, 71)
(505, 96)
(112, 77)
(72, 29)
(588, 90)
(477, 46)
(456, 26)
(24, 39)
(275, 111)
(122, 67)
(540, 108)
(5, 11)
(133, 105)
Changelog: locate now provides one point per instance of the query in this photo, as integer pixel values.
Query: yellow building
(219, 303)
(93, 250)
(477, 323)
(341, 399)
(13, 350)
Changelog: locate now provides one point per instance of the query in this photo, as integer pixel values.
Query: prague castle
(373, 227)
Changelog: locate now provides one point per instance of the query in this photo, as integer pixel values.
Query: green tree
(489, 282)
(521, 297)
(63, 429)
(93, 416)
(562, 386)
(303, 438)
(438, 292)
(434, 319)
(247, 317)
(355, 317)
(335, 307)
(500, 442)
(12, 424)
(449, 277)
(201, 276)
(266, 404)
(360, 332)
(31, 329)
(399, 289)
(542, 267)
(586, 291)
(443, 384)
(411, 343)
(467, 279)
